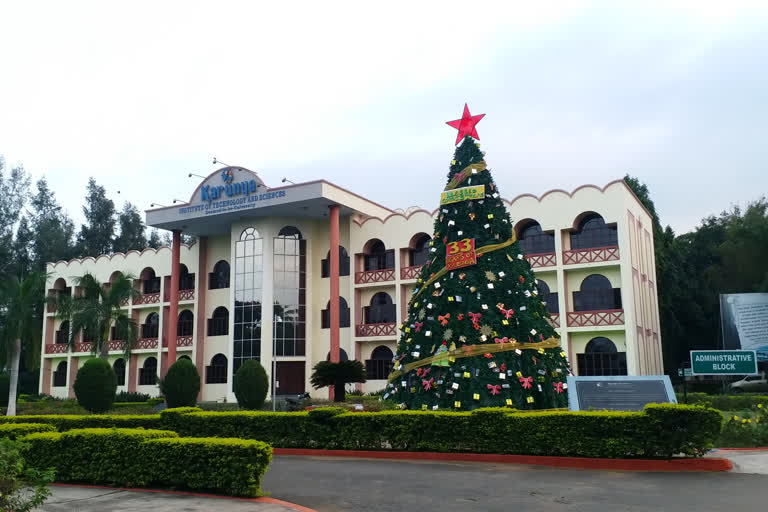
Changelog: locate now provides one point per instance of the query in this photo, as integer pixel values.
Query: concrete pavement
(745, 461)
(89, 499)
(341, 484)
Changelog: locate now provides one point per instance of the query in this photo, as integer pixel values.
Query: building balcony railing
(147, 298)
(375, 276)
(375, 330)
(183, 295)
(124, 301)
(555, 320)
(545, 259)
(115, 345)
(145, 343)
(84, 346)
(184, 341)
(56, 348)
(595, 318)
(593, 255)
(410, 272)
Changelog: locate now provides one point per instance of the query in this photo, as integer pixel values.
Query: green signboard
(723, 362)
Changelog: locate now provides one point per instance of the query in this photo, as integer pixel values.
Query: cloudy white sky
(142, 94)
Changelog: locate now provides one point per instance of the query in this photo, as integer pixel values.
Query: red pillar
(72, 376)
(334, 310)
(173, 310)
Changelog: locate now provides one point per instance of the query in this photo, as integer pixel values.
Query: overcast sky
(140, 95)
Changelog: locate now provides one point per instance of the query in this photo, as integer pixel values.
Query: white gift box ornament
(484, 337)
(522, 308)
(502, 376)
(428, 334)
(490, 286)
(502, 274)
(484, 306)
(533, 332)
(520, 256)
(486, 226)
(415, 354)
(518, 352)
(459, 233)
(451, 223)
(437, 284)
(455, 385)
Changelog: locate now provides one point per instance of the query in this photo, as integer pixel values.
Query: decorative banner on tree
(460, 254)
(462, 194)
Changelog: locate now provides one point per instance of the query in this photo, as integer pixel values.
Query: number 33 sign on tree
(460, 254)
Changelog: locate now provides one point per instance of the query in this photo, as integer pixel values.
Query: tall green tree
(14, 189)
(21, 251)
(21, 307)
(132, 230)
(97, 234)
(154, 241)
(52, 228)
(98, 309)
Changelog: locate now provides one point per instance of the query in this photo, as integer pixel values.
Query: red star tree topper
(466, 125)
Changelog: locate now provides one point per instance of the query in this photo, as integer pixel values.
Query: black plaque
(618, 393)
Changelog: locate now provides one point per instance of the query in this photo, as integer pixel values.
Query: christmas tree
(477, 332)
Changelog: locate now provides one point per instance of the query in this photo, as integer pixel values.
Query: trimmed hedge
(727, 402)
(63, 422)
(661, 430)
(15, 430)
(139, 458)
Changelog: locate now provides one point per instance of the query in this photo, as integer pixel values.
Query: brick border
(687, 464)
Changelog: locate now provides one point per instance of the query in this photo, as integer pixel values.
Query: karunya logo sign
(231, 188)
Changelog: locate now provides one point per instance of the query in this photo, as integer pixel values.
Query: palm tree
(21, 302)
(326, 373)
(99, 308)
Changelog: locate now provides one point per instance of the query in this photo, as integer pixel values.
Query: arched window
(325, 315)
(601, 357)
(148, 372)
(119, 367)
(381, 310)
(593, 232)
(185, 356)
(216, 373)
(325, 265)
(60, 375)
(218, 325)
(342, 355)
(150, 281)
(418, 252)
(62, 335)
(379, 366)
(535, 241)
(547, 296)
(249, 274)
(185, 323)
(186, 279)
(290, 283)
(377, 257)
(151, 326)
(596, 294)
(219, 278)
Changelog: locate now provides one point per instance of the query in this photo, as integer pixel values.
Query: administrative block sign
(618, 393)
(723, 362)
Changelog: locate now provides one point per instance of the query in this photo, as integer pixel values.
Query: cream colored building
(258, 283)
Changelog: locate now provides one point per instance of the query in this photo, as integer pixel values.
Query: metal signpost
(723, 362)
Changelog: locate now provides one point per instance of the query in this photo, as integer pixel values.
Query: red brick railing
(544, 259)
(593, 255)
(410, 272)
(56, 348)
(84, 346)
(183, 295)
(184, 341)
(555, 320)
(375, 330)
(146, 343)
(596, 318)
(124, 301)
(147, 298)
(375, 276)
(113, 345)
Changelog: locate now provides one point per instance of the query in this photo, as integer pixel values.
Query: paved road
(343, 484)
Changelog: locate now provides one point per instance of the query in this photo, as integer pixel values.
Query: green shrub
(238, 469)
(181, 384)
(15, 430)
(136, 457)
(64, 422)
(131, 396)
(251, 385)
(95, 385)
(22, 488)
(727, 402)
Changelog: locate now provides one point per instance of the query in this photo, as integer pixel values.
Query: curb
(700, 464)
(263, 499)
(755, 449)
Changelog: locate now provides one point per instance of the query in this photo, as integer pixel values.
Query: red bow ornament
(475, 317)
(443, 319)
(418, 325)
(558, 386)
(427, 383)
(495, 390)
(527, 382)
(508, 313)
(460, 317)
(502, 340)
